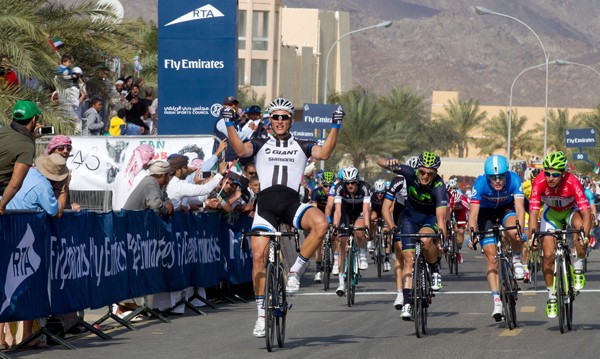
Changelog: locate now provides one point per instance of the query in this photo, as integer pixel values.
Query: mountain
(446, 45)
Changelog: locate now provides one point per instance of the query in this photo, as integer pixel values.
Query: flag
(597, 168)
(56, 43)
(571, 167)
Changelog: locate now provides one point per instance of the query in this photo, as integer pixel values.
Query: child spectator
(64, 69)
(118, 127)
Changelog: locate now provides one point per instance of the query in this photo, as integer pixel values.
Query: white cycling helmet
(379, 186)
(350, 174)
(281, 103)
(412, 161)
(452, 182)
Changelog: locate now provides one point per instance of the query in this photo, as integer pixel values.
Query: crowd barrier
(90, 259)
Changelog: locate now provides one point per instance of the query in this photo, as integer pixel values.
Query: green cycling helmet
(556, 160)
(328, 177)
(429, 160)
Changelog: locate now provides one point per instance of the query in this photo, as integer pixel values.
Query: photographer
(136, 113)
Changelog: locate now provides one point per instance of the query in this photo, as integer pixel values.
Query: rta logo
(204, 12)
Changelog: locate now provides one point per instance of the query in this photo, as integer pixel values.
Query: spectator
(63, 146)
(69, 99)
(220, 131)
(150, 192)
(254, 187)
(17, 149)
(91, 123)
(118, 127)
(8, 78)
(49, 175)
(128, 83)
(152, 110)
(64, 71)
(149, 92)
(127, 179)
(136, 113)
(116, 98)
(78, 80)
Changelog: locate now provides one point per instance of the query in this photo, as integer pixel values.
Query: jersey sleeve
(338, 194)
(403, 170)
(306, 146)
(257, 144)
(478, 189)
(395, 187)
(537, 188)
(516, 185)
(366, 188)
(441, 195)
(578, 193)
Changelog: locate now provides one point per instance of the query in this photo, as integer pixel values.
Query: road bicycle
(506, 272)
(534, 263)
(380, 244)
(276, 304)
(563, 273)
(328, 260)
(351, 268)
(422, 293)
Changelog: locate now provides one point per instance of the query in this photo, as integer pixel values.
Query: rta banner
(89, 259)
(197, 63)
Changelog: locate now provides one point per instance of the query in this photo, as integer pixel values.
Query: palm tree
(459, 122)
(558, 124)
(522, 141)
(366, 130)
(91, 34)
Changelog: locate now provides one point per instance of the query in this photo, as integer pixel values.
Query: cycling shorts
(411, 224)
(487, 219)
(278, 204)
(553, 219)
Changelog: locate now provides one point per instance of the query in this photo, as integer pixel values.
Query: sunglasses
(552, 174)
(494, 178)
(352, 183)
(62, 148)
(251, 173)
(280, 117)
(427, 173)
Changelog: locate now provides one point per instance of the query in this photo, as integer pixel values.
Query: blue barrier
(89, 260)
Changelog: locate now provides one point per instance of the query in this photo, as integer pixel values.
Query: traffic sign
(580, 156)
(580, 137)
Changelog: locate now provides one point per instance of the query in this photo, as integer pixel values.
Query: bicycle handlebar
(495, 229)
(535, 236)
(273, 234)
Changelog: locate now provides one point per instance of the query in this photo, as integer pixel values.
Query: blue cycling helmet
(496, 165)
(341, 173)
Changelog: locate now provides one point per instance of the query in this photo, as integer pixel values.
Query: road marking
(511, 333)
(458, 292)
(528, 309)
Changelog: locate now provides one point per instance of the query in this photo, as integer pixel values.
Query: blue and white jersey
(487, 197)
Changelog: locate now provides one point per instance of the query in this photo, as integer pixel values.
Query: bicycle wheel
(327, 265)
(270, 302)
(449, 254)
(561, 293)
(379, 254)
(349, 276)
(455, 257)
(281, 309)
(533, 267)
(511, 296)
(502, 288)
(571, 298)
(417, 283)
(427, 295)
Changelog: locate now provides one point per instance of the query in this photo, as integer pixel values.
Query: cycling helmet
(556, 160)
(534, 173)
(429, 160)
(350, 174)
(455, 195)
(340, 174)
(388, 184)
(328, 177)
(412, 161)
(452, 182)
(281, 103)
(496, 165)
(379, 186)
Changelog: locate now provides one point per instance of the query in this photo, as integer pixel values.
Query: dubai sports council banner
(197, 63)
(96, 160)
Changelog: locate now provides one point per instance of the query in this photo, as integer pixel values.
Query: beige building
(281, 51)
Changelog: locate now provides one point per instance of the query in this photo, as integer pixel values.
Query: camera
(46, 130)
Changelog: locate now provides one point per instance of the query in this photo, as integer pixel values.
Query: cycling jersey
(460, 209)
(423, 199)
(397, 191)
(376, 204)
(352, 205)
(590, 196)
(319, 196)
(487, 197)
(568, 194)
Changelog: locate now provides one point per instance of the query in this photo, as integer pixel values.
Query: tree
(558, 123)
(91, 35)
(521, 141)
(458, 123)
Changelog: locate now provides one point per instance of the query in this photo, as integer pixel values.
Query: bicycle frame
(351, 269)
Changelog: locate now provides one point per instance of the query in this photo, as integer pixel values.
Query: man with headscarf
(150, 192)
(129, 177)
(62, 145)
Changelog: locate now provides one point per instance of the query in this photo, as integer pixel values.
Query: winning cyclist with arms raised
(280, 162)
(564, 202)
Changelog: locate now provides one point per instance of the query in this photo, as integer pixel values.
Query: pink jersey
(568, 194)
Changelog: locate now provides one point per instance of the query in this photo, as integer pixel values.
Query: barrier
(90, 260)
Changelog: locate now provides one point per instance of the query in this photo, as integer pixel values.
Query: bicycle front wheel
(417, 283)
(350, 268)
(454, 256)
(270, 303)
(379, 254)
(327, 265)
(561, 293)
(281, 309)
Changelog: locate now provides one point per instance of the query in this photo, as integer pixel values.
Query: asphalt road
(321, 325)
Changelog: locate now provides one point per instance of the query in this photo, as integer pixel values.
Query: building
(281, 51)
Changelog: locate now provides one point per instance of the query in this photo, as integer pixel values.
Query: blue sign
(580, 137)
(319, 115)
(308, 131)
(197, 63)
(580, 156)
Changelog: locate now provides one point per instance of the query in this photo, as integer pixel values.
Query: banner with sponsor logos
(318, 115)
(96, 160)
(89, 260)
(197, 63)
(237, 253)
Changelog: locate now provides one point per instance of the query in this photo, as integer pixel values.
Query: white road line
(449, 293)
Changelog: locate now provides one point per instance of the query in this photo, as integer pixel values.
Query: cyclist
(319, 199)
(280, 162)
(533, 172)
(564, 202)
(329, 210)
(393, 213)
(377, 199)
(352, 207)
(459, 207)
(425, 212)
(497, 198)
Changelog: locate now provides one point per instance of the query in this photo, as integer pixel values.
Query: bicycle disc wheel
(281, 311)
(327, 266)
(418, 297)
(269, 303)
(561, 296)
(349, 274)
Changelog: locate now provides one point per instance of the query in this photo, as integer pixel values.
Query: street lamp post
(565, 62)
(484, 11)
(383, 24)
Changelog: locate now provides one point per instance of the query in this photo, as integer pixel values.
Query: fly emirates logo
(187, 64)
